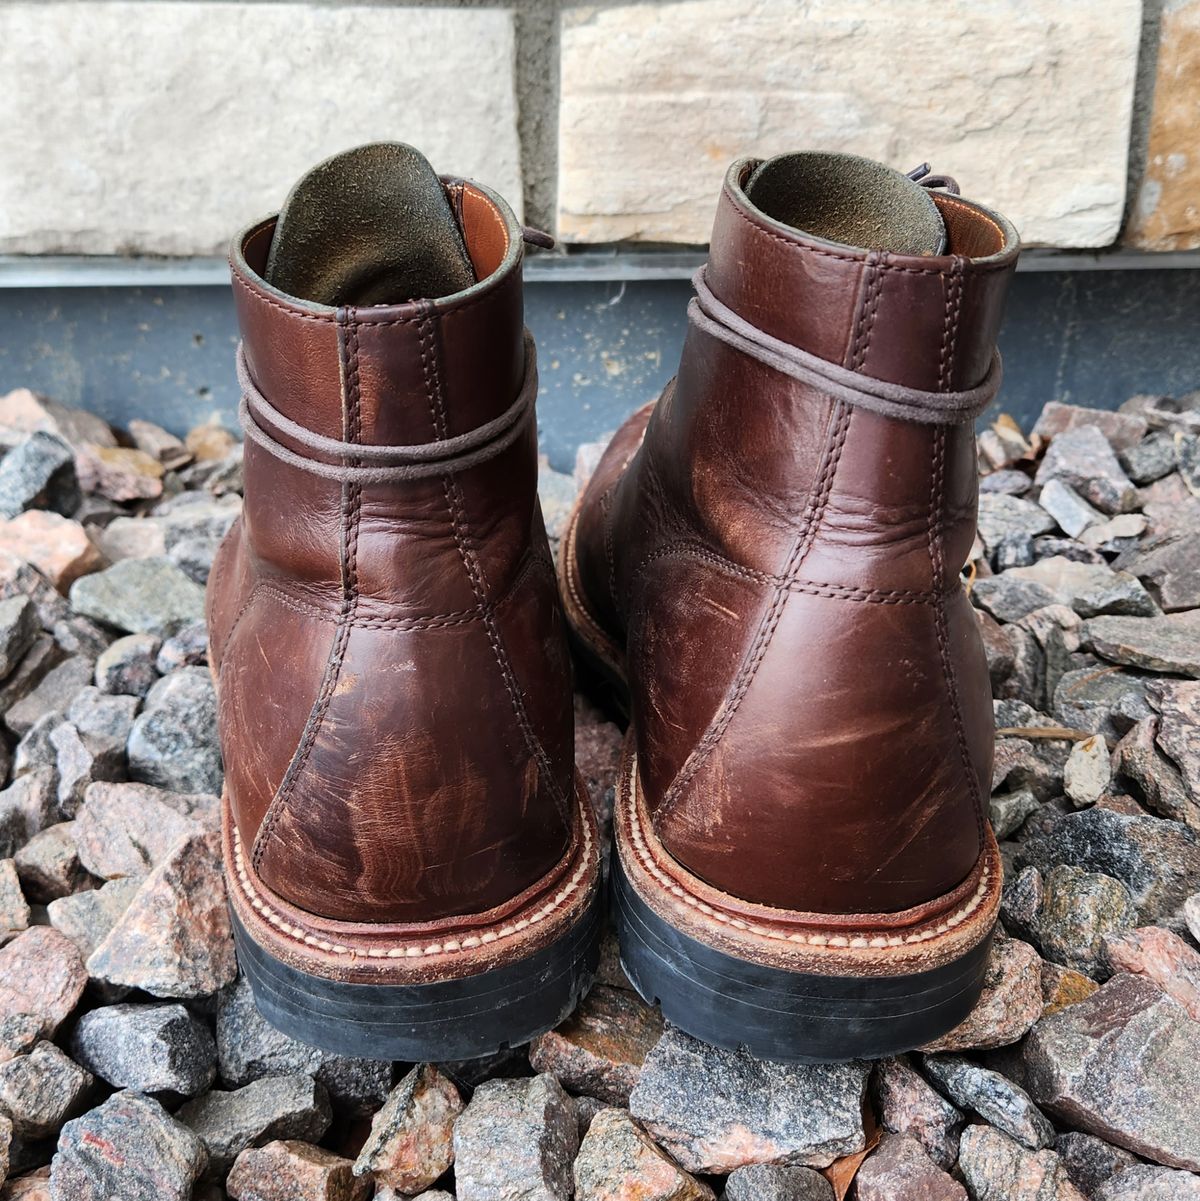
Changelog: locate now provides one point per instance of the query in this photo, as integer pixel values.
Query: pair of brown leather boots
(764, 573)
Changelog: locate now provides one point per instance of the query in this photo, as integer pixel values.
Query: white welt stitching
(413, 951)
(816, 940)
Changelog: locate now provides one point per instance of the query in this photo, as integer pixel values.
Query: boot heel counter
(225, 593)
(412, 796)
(845, 780)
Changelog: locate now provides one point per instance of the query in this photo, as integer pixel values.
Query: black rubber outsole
(789, 1017)
(443, 1020)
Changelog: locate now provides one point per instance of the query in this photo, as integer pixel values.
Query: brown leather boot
(766, 564)
(411, 856)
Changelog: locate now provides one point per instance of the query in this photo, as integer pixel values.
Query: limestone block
(163, 128)
(1028, 105)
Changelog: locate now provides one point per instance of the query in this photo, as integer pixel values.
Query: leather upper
(809, 691)
(394, 688)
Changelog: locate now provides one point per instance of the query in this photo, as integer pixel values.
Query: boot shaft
(781, 556)
(394, 685)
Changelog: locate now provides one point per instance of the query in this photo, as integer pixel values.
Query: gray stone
(1008, 597)
(188, 648)
(140, 596)
(130, 1148)
(1157, 860)
(40, 974)
(249, 1048)
(715, 1110)
(126, 829)
(39, 1091)
(24, 412)
(411, 1141)
(1123, 1064)
(14, 909)
(1008, 480)
(1003, 517)
(1122, 429)
(1116, 535)
(1155, 780)
(1010, 1003)
(87, 917)
(1178, 705)
(1079, 910)
(19, 578)
(53, 693)
(776, 1182)
(35, 751)
(80, 763)
(26, 807)
(1049, 546)
(38, 473)
(1089, 1160)
(898, 1169)
(174, 744)
(1015, 551)
(906, 1104)
(617, 1159)
(1141, 1182)
(43, 655)
(1089, 589)
(48, 864)
(19, 1032)
(1021, 902)
(153, 1048)
(1187, 451)
(1009, 811)
(1164, 958)
(516, 1141)
(1150, 459)
(103, 720)
(998, 1168)
(131, 538)
(155, 441)
(1072, 513)
(601, 1047)
(127, 666)
(993, 1097)
(1087, 772)
(290, 1170)
(287, 1107)
(1101, 700)
(1170, 569)
(175, 938)
(1170, 643)
(1083, 459)
(18, 628)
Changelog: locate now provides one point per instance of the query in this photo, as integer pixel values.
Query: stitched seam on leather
(427, 621)
(470, 560)
(351, 506)
(414, 950)
(254, 591)
(606, 526)
(375, 323)
(814, 587)
(767, 626)
(814, 512)
(803, 248)
(937, 564)
(924, 934)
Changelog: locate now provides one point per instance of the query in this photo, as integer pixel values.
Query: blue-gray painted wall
(1089, 337)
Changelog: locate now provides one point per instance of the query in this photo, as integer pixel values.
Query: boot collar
(926, 322)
